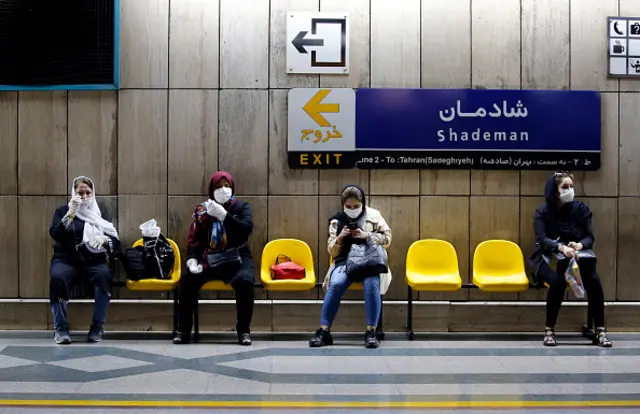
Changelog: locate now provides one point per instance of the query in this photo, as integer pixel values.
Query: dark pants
(190, 285)
(591, 283)
(64, 274)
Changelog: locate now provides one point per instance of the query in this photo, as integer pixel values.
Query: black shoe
(370, 340)
(549, 337)
(95, 333)
(320, 339)
(180, 339)
(61, 336)
(244, 339)
(601, 339)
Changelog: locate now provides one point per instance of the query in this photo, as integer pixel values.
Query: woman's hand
(344, 233)
(360, 234)
(74, 205)
(569, 252)
(576, 246)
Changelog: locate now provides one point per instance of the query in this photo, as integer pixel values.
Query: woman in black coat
(84, 240)
(220, 224)
(563, 229)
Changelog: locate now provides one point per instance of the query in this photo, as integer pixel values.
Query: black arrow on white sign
(299, 42)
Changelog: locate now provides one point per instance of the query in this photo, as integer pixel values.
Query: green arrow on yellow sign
(315, 108)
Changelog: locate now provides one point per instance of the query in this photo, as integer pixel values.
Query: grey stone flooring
(437, 368)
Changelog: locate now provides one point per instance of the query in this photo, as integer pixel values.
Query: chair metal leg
(410, 334)
(196, 322)
(380, 328)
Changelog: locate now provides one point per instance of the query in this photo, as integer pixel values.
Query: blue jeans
(63, 275)
(338, 285)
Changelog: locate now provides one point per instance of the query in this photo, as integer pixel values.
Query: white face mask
(353, 213)
(222, 194)
(566, 195)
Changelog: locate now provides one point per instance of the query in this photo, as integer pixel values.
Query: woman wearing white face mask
(563, 228)
(219, 226)
(83, 242)
(355, 224)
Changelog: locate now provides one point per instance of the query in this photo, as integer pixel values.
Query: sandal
(549, 337)
(601, 339)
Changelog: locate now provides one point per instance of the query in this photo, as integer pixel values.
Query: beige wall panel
(303, 317)
(447, 218)
(42, 119)
(629, 8)
(9, 143)
(23, 316)
(282, 179)
(244, 139)
(93, 138)
(278, 76)
(193, 140)
(545, 44)
(395, 44)
(333, 181)
(444, 24)
(295, 218)
(35, 244)
(495, 44)
(427, 318)
(532, 182)
(604, 182)
(492, 218)
(588, 29)
(629, 145)
(445, 182)
(133, 210)
(144, 34)
(528, 206)
(627, 287)
(194, 43)
(180, 210)
(359, 74)
(495, 182)
(244, 44)
(397, 182)
(403, 216)
(605, 230)
(142, 142)
(9, 264)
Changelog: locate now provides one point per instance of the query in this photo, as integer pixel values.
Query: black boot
(320, 339)
(244, 339)
(370, 339)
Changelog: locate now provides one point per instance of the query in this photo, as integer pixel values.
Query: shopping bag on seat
(366, 260)
(285, 269)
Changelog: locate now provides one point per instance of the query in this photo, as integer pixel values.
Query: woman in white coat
(355, 224)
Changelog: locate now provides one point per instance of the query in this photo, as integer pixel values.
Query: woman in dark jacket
(563, 229)
(84, 240)
(219, 225)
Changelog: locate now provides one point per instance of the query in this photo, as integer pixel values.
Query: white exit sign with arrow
(317, 43)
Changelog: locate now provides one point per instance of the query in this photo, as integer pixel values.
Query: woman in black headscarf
(563, 229)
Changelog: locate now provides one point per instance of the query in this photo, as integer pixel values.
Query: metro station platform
(465, 373)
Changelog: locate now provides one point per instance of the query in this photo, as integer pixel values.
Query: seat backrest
(297, 250)
(432, 256)
(177, 261)
(498, 257)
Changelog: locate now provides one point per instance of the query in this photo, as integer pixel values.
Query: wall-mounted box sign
(445, 129)
(623, 47)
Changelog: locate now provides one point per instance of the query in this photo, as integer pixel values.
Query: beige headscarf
(94, 224)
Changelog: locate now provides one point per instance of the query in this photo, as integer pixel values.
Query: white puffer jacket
(380, 231)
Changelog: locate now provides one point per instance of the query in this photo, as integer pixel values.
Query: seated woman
(84, 240)
(220, 224)
(367, 223)
(563, 229)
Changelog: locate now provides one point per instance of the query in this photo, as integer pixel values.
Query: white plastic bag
(572, 276)
(150, 229)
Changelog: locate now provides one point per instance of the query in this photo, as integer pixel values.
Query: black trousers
(190, 285)
(592, 284)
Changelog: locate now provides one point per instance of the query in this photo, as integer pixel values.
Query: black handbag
(132, 263)
(228, 257)
(366, 260)
(157, 256)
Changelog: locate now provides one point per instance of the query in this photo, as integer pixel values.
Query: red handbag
(285, 269)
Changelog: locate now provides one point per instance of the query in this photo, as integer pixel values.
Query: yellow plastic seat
(498, 266)
(299, 252)
(216, 285)
(432, 265)
(159, 284)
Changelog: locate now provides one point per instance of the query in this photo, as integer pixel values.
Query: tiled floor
(434, 372)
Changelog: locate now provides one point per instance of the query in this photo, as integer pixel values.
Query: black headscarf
(343, 220)
(565, 216)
